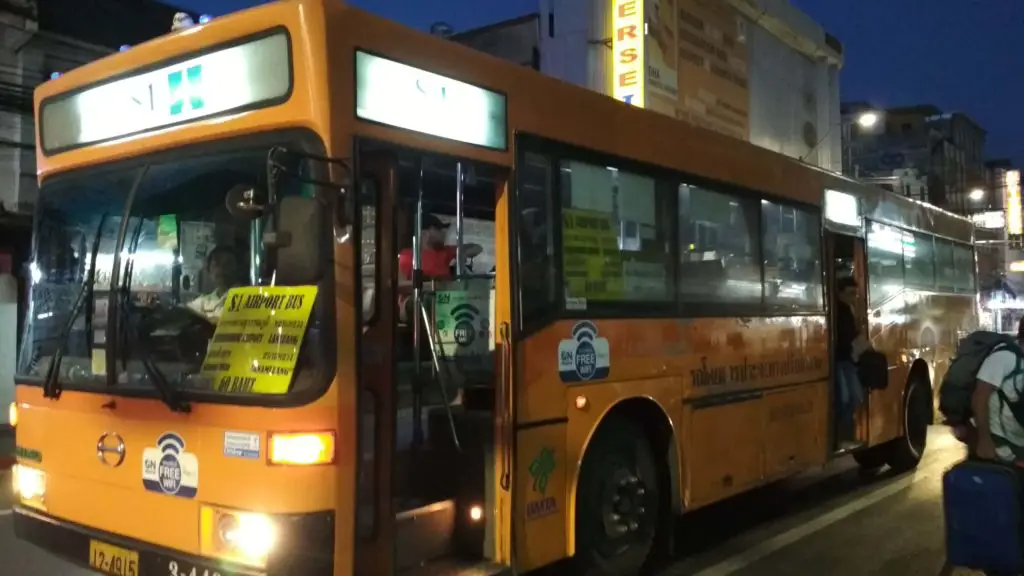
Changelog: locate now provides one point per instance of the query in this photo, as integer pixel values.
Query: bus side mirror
(246, 202)
(297, 241)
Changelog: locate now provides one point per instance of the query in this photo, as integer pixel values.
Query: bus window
(615, 236)
(792, 256)
(183, 251)
(536, 242)
(963, 260)
(945, 267)
(885, 263)
(718, 249)
(919, 260)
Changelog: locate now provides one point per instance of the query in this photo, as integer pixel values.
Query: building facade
(759, 70)
(39, 39)
(946, 149)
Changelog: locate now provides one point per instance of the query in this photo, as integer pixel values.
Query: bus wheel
(871, 459)
(616, 501)
(906, 451)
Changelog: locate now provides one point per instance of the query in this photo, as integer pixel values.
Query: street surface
(833, 522)
(836, 522)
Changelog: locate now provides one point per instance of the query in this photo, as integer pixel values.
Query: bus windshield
(183, 250)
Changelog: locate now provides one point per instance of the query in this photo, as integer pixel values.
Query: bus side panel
(541, 496)
(758, 402)
(889, 323)
(796, 429)
(751, 439)
(929, 327)
(886, 406)
(724, 455)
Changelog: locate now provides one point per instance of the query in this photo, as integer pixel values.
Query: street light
(976, 194)
(867, 119)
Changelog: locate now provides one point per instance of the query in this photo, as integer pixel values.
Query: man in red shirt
(435, 256)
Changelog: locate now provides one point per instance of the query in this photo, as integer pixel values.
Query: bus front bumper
(74, 542)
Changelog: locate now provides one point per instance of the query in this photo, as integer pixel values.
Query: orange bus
(313, 293)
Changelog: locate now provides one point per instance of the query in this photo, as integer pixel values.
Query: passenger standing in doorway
(850, 343)
(435, 255)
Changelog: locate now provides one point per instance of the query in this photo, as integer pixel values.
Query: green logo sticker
(541, 468)
(28, 454)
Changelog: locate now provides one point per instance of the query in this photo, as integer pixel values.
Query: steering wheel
(172, 332)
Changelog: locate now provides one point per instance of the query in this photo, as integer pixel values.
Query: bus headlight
(246, 537)
(29, 485)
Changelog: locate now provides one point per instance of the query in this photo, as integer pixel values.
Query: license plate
(113, 559)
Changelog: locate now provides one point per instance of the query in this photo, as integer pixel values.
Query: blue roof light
(204, 18)
(124, 48)
(54, 75)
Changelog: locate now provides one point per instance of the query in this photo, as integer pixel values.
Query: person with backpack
(982, 395)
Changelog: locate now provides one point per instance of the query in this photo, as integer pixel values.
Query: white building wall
(15, 33)
(794, 94)
(27, 58)
(794, 102)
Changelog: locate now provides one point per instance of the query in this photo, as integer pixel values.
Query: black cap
(433, 222)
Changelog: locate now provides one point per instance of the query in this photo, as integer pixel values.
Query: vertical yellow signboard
(1011, 185)
(629, 68)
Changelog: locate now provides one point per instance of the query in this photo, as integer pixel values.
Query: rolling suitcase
(982, 504)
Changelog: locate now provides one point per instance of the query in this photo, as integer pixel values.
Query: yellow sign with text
(629, 72)
(256, 345)
(591, 259)
(1011, 184)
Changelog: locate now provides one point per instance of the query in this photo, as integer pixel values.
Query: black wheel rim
(627, 510)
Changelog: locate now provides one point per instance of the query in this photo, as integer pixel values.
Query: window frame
(939, 278)
(556, 152)
(300, 139)
(932, 285)
(716, 308)
(936, 240)
(612, 308)
(815, 215)
(872, 304)
(973, 289)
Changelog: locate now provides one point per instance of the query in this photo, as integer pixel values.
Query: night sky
(960, 55)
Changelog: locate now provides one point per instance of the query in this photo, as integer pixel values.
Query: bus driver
(222, 270)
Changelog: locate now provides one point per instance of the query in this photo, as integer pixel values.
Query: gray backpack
(958, 384)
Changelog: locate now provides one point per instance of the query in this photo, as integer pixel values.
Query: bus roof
(325, 35)
(880, 205)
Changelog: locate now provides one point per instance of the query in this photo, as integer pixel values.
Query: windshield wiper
(51, 384)
(119, 322)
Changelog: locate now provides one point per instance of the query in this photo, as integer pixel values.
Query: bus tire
(871, 459)
(905, 452)
(617, 500)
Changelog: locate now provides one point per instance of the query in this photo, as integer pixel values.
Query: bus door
(375, 468)
(431, 410)
(846, 259)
